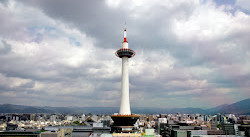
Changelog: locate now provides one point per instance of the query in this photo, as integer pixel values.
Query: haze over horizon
(62, 53)
(235, 105)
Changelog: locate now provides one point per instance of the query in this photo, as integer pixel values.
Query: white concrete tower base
(125, 105)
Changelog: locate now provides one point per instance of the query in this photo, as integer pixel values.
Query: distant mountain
(219, 107)
(9, 108)
(241, 107)
(147, 110)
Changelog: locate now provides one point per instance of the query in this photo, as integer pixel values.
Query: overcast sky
(189, 53)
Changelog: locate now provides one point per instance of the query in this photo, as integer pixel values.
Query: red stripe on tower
(125, 35)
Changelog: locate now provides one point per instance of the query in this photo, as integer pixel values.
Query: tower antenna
(125, 24)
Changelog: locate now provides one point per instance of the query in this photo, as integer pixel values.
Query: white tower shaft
(125, 105)
(125, 53)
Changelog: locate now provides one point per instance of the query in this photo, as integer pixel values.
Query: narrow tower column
(125, 53)
(125, 105)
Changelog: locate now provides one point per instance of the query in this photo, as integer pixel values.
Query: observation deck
(124, 52)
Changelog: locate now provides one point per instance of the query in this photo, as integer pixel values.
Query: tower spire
(125, 34)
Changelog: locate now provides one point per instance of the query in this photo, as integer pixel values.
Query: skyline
(60, 53)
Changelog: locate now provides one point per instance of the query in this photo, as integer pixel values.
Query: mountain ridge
(240, 107)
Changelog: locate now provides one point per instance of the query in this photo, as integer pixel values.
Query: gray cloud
(61, 53)
(4, 47)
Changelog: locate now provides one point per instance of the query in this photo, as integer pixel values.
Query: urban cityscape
(167, 125)
(181, 70)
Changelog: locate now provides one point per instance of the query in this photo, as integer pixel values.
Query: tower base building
(124, 123)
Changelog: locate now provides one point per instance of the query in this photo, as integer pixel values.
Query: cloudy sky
(190, 53)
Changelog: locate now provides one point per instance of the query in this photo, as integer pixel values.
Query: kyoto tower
(124, 121)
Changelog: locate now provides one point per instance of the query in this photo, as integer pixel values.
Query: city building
(228, 128)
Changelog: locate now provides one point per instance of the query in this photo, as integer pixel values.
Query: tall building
(69, 118)
(124, 121)
(228, 128)
(53, 118)
(219, 117)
